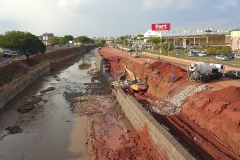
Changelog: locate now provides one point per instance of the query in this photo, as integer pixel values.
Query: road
(215, 84)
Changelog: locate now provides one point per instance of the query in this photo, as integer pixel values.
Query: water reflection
(86, 64)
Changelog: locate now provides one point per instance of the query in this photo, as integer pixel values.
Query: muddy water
(50, 130)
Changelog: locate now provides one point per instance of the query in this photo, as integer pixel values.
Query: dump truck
(205, 72)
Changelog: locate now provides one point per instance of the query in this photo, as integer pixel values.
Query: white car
(203, 53)
(6, 54)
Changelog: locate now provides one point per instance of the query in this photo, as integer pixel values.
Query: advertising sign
(161, 27)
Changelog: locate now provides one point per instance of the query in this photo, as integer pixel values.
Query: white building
(45, 38)
(151, 33)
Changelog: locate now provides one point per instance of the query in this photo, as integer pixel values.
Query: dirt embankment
(59, 59)
(207, 122)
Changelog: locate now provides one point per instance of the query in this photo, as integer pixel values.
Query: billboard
(161, 27)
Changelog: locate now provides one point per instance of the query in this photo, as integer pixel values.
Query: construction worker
(172, 77)
(148, 61)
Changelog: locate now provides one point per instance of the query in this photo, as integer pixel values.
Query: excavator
(132, 83)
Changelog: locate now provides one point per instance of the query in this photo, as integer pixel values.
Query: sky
(115, 17)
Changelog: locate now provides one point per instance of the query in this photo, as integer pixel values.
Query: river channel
(50, 130)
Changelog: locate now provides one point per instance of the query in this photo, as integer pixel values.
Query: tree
(154, 40)
(54, 40)
(84, 40)
(208, 30)
(101, 42)
(24, 42)
(66, 39)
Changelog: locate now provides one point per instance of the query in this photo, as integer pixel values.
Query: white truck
(205, 72)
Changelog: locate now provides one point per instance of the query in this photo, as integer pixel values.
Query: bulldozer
(133, 84)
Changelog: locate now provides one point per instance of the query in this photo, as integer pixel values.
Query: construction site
(202, 117)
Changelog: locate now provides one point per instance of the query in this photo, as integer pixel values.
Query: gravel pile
(177, 99)
(172, 104)
(163, 108)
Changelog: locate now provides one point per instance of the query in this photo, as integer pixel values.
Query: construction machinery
(205, 72)
(128, 80)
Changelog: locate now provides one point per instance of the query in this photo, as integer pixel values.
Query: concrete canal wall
(139, 117)
(10, 90)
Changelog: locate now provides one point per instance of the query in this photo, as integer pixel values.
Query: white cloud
(68, 6)
(167, 4)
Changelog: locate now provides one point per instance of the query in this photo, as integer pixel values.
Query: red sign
(161, 27)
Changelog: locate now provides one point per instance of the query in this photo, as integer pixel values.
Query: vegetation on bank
(23, 42)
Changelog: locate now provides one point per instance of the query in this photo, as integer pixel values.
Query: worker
(158, 56)
(172, 76)
(148, 61)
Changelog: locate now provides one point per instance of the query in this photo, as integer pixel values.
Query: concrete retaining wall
(100, 64)
(138, 116)
(10, 90)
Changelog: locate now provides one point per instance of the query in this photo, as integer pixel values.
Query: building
(235, 39)
(151, 33)
(45, 38)
(187, 37)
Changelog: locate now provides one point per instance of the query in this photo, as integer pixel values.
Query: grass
(57, 58)
(164, 80)
(8, 79)
(42, 60)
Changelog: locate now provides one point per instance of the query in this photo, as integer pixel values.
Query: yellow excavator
(134, 84)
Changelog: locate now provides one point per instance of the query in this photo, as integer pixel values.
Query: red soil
(209, 121)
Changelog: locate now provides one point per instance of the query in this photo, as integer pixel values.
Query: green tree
(154, 40)
(208, 30)
(24, 42)
(66, 39)
(84, 40)
(122, 38)
(101, 42)
(54, 40)
(164, 47)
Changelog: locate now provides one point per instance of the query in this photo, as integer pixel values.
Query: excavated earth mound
(219, 113)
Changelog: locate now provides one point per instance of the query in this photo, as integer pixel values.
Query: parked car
(203, 53)
(136, 55)
(230, 55)
(11, 54)
(15, 54)
(192, 53)
(222, 57)
(236, 55)
(6, 54)
(232, 74)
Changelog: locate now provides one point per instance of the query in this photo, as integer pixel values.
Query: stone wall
(100, 64)
(138, 116)
(10, 90)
